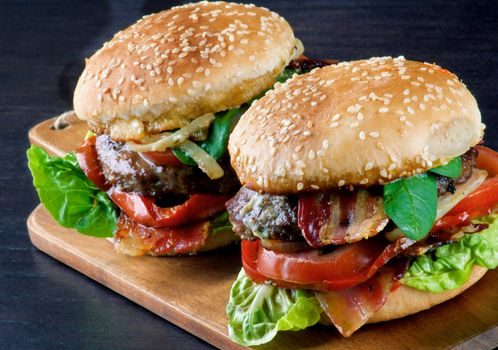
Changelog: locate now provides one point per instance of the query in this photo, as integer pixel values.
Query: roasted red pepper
(163, 158)
(143, 209)
(88, 160)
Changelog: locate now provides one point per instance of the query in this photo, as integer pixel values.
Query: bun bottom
(406, 301)
(219, 240)
(213, 242)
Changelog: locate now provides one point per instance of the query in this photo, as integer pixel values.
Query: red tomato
(249, 260)
(89, 163)
(347, 266)
(143, 210)
(483, 197)
(487, 160)
(162, 158)
(478, 203)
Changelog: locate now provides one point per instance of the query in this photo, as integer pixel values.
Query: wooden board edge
(52, 247)
(35, 140)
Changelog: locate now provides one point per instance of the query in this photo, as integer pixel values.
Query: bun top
(176, 65)
(357, 123)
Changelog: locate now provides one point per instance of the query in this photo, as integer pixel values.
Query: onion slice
(170, 140)
(299, 49)
(205, 162)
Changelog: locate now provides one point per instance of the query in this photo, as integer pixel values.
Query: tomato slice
(88, 160)
(143, 209)
(347, 266)
(487, 160)
(162, 158)
(250, 251)
(483, 197)
(479, 202)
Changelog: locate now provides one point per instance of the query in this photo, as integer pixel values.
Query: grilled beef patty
(264, 215)
(128, 171)
(269, 216)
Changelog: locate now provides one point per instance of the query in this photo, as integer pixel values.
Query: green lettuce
(256, 312)
(69, 196)
(221, 223)
(451, 265)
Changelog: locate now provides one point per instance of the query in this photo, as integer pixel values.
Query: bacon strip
(340, 217)
(349, 309)
(134, 239)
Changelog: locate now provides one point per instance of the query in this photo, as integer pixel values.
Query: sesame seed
(410, 110)
(374, 134)
(354, 108)
(361, 135)
(368, 166)
(300, 186)
(341, 183)
(384, 110)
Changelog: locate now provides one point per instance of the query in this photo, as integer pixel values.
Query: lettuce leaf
(256, 312)
(221, 223)
(451, 265)
(69, 196)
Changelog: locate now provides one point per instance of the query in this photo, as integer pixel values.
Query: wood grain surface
(192, 292)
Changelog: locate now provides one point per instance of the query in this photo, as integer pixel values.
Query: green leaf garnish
(69, 196)
(412, 203)
(256, 312)
(452, 169)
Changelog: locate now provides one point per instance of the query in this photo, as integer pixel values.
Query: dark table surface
(43, 303)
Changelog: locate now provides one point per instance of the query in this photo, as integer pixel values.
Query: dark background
(44, 304)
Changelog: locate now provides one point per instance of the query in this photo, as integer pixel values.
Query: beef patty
(275, 216)
(128, 171)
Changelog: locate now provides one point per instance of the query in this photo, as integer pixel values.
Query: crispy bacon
(349, 309)
(134, 239)
(340, 217)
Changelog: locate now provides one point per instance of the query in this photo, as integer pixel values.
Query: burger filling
(338, 255)
(255, 215)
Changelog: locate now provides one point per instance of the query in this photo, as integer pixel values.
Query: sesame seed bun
(357, 123)
(173, 66)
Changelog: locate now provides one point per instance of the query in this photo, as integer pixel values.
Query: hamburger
(161, 98)
(367, 196)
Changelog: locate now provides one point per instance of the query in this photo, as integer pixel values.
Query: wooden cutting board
(192, 292)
